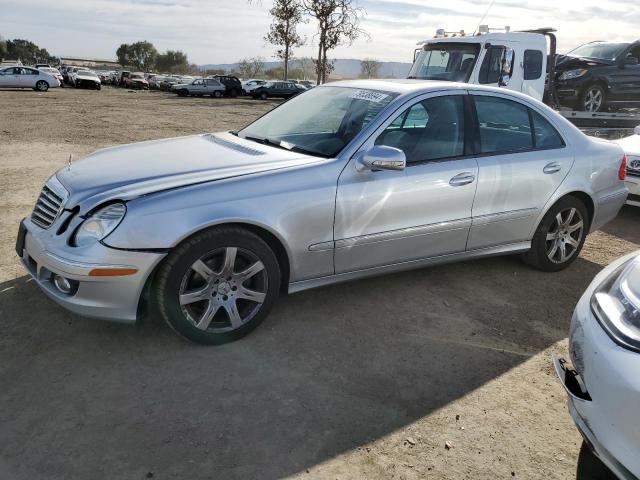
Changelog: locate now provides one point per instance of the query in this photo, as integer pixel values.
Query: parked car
(601, 379)
(168, 82)
(136, 81)
(600, 75)
(85, 78)
(231, 83)
(53, 71)
(249, 85)
(348, 180)
(200, 87)
(631, 146)
(27, 77)
(277, 89)
(155, 81)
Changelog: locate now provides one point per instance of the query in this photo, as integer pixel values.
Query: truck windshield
(452, 62)
(603, 51)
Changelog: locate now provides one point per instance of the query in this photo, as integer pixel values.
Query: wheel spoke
(572, 241)
(576, 227)
(572, 213)
(229, 260)
(563, 252)
(554, 250)
(203, 270)
(559, 220)
(208, 315)
(551, 237)
(252, 295)
(250, 272)
(234, 315)
(195, 296)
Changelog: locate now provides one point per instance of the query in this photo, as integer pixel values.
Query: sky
(224, 31)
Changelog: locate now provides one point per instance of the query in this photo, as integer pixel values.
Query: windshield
(603, 51)
(319, 122)
(446, 61)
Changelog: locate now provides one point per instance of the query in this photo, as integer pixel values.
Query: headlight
(616, 304)
(571, 74)
(100, 224)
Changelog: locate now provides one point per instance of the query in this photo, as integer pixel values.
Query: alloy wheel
(565, 235)
(223, 290)
(593, 100)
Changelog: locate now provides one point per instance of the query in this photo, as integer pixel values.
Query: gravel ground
(365, 380)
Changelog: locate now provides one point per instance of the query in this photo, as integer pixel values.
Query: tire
(233, 93)
(183, 92)
(560, 236)
(217, 94)
(264, 95)
(207, 302)
(42, 86)
(593, 99)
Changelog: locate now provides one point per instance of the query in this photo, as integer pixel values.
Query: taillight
(622, 173)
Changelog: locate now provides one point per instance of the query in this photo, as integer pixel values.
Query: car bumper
(107, 297)
(633, 184)
(603, 390)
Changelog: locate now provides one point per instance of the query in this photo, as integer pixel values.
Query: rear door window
(546, 136)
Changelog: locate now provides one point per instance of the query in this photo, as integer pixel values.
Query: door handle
(462, 179)
(553, 167)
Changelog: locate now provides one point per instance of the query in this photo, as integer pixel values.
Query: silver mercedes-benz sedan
(347, 180)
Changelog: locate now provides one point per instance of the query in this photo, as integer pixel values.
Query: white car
(631, 146)
(27, 77)
(85, 78)
(249, 85)
(603, 384)
(53, 71)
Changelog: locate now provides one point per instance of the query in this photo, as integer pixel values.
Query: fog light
(62, 284)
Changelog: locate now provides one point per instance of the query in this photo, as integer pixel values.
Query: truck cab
(512, 60)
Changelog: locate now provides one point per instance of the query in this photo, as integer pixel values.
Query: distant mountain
(344, 68)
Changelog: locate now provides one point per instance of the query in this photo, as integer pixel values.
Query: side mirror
(381, 157)
(507, 67)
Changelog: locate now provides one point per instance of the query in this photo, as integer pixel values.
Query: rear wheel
(560, 236)
(594, 99)
(264, 95)
(218, 285)
(42, 86)
(183, 92)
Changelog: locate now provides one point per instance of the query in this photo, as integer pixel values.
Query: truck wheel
(594, 99)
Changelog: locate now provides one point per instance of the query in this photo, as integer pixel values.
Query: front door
(388, 217)
(523, 160)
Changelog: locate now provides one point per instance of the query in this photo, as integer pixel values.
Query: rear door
(522, 161)
(389, 217)
(629, 76)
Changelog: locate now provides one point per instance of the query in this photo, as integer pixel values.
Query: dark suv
(233, 86)
(600, 75)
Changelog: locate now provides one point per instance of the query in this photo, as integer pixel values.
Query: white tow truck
(522, 61)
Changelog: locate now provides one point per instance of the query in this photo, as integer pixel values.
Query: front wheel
(183, 93)
(42, 86)
(594, 99)
(560, 236)
(264, 95)
(218, 285)
(217, 94)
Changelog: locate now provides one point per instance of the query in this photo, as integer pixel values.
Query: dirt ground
(366, 380)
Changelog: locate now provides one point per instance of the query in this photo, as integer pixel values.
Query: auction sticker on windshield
(369, 95)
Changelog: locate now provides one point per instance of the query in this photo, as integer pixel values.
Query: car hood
(128, 171)
(87, 77)
(568, 62)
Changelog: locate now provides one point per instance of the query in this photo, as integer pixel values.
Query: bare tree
(369, 68)
(251, 67)
(338, 23)
(287, 15)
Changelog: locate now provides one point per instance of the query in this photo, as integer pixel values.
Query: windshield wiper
(290, 147)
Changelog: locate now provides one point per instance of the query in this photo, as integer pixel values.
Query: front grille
(50, 204)
(633, 166)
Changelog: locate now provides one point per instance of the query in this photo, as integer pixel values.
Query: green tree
(141, 55)
(172, 61)
(27, 51)
(369, 68)
(287, 15)
(3, 48)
